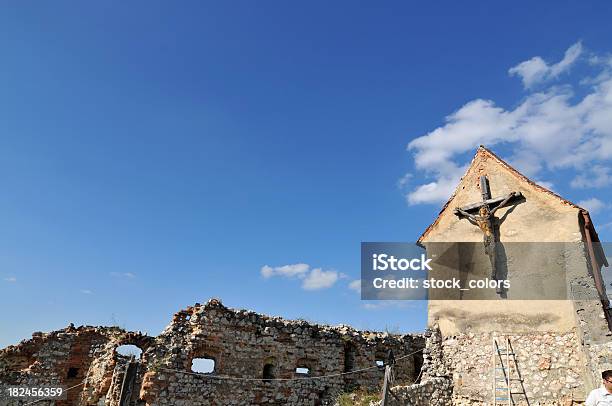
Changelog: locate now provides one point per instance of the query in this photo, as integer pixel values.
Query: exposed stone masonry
(248, 347)
(241, 343)
(69, 357)
(435, 387)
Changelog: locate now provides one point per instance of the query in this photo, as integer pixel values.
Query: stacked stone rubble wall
(242, 344)
(552, 367)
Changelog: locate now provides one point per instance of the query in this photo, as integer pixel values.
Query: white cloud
(536, 70)
(320, 279)
(86, 291)
(128, 275)
(312, 279)
(595, 177)
(288, 271)
(404, 180)
(355, 285)
(593, 205)
(436, 191)
(547, 131)
(603, 62)
(10, 279)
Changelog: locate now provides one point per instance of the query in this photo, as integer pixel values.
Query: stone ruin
(269, 360)
(256, 360)
(561, 346)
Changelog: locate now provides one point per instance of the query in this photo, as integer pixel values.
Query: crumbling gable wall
(542, 217)
(561, 344)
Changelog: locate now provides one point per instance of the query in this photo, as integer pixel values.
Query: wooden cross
(492, 203)
(484, 219)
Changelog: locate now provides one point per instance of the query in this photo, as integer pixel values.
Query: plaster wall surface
(540, 218)
(562, 345)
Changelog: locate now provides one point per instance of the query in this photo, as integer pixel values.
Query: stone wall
(561, 345)
(435, 387)
(600, 359)
(552, 366)
(240, 342)
(431, 392)
(458, 370)
(69, 357)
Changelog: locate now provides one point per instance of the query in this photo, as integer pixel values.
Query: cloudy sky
(561, 125)
(153, 156)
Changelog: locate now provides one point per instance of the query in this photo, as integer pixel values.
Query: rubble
(255, 360)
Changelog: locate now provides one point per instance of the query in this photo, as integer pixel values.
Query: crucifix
(485, 220)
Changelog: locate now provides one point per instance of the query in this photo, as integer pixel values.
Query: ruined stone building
(258, 357)
(559, 345)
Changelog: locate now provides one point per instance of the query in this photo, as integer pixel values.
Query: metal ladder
(504, 360)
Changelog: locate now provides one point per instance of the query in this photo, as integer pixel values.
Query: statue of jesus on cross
(485, 221)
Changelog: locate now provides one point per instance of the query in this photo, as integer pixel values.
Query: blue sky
(154, 155)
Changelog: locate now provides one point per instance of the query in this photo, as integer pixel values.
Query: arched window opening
(302, 371)
(303, 367)
(128, 350)
(203, 365)
(380, 359)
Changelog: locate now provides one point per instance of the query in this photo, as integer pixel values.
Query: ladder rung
(507, 370)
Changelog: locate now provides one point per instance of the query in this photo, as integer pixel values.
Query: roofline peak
(507, 166)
